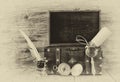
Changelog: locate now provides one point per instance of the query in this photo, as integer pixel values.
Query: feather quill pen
(33, 50)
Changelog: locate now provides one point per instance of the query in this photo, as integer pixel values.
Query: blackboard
(64, 26)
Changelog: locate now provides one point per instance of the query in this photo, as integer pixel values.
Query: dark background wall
(33, 18)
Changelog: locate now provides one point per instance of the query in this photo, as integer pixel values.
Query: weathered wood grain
(33, 18)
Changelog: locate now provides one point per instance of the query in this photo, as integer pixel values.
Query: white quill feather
(33, 49)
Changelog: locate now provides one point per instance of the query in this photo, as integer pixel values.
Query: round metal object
(64, 69)
(55, 67)
(92, 52)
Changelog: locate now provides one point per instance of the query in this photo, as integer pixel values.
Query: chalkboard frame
(85, 11)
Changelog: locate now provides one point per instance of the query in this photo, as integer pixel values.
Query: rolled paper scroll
(101, 36)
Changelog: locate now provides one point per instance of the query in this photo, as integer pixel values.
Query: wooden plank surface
(33, 18)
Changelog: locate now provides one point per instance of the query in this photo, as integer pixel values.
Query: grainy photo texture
(59, 40)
